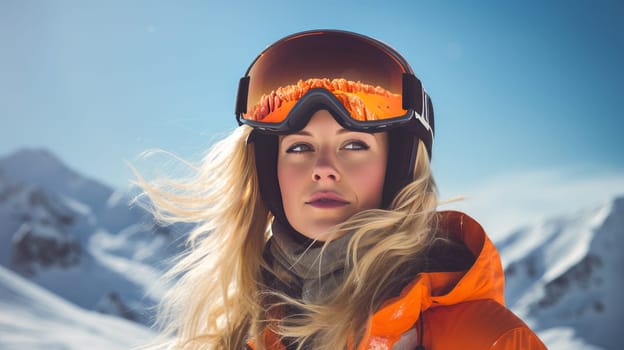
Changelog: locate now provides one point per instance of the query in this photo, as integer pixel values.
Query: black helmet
(310, 71)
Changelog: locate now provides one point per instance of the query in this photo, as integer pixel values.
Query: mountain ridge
(572, 277)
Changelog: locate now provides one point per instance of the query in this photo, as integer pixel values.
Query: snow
(41, 231)
(567, 250)
(77, 206)
(571, 278)
(139, 273)
(34, 318)
(561, 249)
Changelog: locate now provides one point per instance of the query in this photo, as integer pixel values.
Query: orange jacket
(460, 310)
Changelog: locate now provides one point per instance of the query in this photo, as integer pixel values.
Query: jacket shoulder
(477, 325)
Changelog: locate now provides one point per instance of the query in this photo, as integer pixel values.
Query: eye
(356, 146)
(299, 148)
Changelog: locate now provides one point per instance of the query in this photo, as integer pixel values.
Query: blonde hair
(218, 302)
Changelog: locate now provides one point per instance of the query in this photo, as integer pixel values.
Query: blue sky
(526, 94)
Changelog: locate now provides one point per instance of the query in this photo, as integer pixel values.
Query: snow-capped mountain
(33, 318)
(79, 238)
(564, 275)
(44, 170)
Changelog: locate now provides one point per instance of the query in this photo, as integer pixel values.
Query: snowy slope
(33, 318)
(564, 275)
(79, 239)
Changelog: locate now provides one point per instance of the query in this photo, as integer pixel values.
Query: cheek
(368, 181)
(290, 179)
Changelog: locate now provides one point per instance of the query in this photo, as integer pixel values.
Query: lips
(327, 200)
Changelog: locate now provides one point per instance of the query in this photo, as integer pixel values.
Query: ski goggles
(364, 83)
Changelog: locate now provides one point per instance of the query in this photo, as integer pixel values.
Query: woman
(317, 223)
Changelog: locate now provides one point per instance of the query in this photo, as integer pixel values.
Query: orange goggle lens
(363, 102)
(365, 75)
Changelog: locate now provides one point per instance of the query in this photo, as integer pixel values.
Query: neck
(317, 267)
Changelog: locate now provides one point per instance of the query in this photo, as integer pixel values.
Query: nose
(325, 169)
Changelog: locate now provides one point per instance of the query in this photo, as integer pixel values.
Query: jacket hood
(483, 280)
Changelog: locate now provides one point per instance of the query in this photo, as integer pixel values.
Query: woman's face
(327, 173)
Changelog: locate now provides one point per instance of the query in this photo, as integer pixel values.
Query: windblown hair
(219, 299)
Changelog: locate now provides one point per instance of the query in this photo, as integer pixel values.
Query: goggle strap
(412, 93)
(428, 110)
(241, 98)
